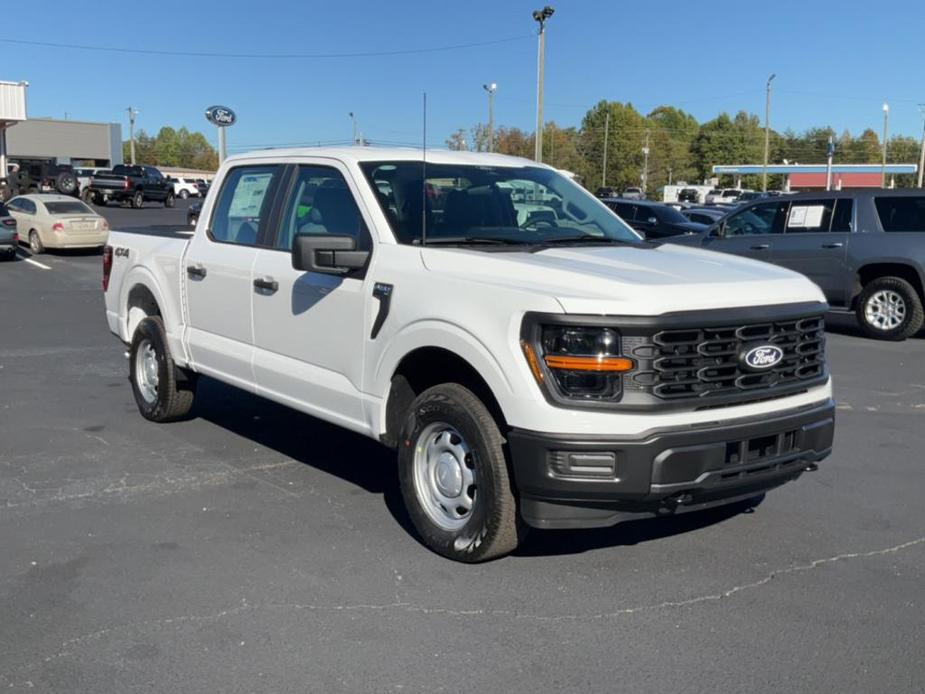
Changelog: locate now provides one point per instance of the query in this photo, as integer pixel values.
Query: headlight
(577, 362)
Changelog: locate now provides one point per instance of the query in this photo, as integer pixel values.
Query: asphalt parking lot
(253, 549)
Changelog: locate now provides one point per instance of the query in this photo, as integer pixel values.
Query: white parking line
(33, 262)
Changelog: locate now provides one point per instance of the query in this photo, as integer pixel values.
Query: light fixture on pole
(540, 16)
(353, 118)
(767, 132)
(491, 89)
(886, 125)
(132, 112)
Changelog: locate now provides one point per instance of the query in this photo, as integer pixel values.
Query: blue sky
(835, 62)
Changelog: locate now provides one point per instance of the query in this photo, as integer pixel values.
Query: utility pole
(829, 153)
(540, 16)
(922, 153)
(491, 89)
(356, 140)
(767, 132)
(606, 136)
(131, 131)
(886, 124)
(645, 165)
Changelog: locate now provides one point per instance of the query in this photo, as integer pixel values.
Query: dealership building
(813, 176)
(79, 143)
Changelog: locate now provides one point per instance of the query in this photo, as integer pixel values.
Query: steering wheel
(537, 222)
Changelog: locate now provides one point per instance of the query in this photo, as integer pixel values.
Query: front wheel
(138, 199)
(153, 375)
(169, 200)
(454, 476)
(889, 308)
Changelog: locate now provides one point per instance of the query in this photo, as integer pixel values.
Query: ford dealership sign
(221, 116)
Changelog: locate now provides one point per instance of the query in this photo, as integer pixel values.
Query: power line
(266, 56)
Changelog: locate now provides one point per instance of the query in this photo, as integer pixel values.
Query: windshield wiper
(587, 238)
(465, 240)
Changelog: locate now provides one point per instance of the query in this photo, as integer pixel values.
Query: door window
(841, 219)
(627, 212)
(809, 216)
(321, 204)
(901, 213)
(765, 218)
(243, 205)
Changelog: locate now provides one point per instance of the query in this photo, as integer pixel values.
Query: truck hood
(629, 280)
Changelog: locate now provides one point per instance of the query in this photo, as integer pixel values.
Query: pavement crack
(67, 647)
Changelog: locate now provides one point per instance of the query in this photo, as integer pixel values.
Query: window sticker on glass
(807, 217)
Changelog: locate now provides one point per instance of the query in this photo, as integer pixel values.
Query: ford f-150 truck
(133, 184)
(548, 370)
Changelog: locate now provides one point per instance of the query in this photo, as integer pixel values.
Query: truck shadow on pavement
(367, 464)
(847, 324)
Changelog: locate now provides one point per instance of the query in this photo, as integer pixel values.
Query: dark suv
(864, 248)
(653, 219)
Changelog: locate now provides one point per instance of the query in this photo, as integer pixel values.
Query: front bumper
(585, 481)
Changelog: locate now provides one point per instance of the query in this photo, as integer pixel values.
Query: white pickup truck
(533, 365)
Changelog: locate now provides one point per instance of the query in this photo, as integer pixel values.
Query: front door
(218, 274)
(311, 329)
(815, 244)
(751, 232)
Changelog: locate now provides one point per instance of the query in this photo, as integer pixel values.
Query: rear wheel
(889, 308)
(454, 476)
(184, 194)
(35, 243)
(153, 375)
(138, 199)
(169, 201)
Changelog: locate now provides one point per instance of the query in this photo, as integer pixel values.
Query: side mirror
(331, 255)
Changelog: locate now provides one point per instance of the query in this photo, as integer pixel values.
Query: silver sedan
(57, 221)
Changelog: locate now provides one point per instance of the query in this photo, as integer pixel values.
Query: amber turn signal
(532, 361)
(608, 364)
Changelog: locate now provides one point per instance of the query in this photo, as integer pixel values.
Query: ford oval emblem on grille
(761, 357)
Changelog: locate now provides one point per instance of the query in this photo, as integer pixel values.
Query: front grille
(704, 362)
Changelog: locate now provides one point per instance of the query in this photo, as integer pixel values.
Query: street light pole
(354, 119)
(886, 123)
(131, 131)
(767, 132)
(922, 154)
(645, 166)
(540, 16)
(491, 89)
(606, 136)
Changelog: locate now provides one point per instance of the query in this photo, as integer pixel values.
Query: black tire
(88, 196)
(184, 194)
(171, 400)
(66, 183)
(169, 201)
(493, 527)
(912, 314)
(138, 200)
(35, 243)
(10, 255)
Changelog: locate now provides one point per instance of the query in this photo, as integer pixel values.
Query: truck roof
(362, 154)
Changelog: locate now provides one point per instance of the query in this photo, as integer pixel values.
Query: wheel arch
(888, 268)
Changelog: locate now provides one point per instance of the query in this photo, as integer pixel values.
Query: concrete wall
(65, 141)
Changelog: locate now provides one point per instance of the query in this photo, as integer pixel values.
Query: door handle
(837, 244)
(760, 247)
(267, 284)
(196, 271)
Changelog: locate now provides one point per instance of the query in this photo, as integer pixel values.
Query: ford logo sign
(761, 357)
(221, 116)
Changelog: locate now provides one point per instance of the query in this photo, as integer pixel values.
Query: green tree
(625, 138)
(175, 148)
(726, 140)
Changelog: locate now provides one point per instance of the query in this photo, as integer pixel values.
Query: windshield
(75, 207)
(510, 205)
(669, 215)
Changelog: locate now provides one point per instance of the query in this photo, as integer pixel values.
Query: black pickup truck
(133, 184)
(864, 248)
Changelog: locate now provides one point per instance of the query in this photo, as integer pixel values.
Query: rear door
(218, 268)
(815, 244)
(751, 232)
(311, 329)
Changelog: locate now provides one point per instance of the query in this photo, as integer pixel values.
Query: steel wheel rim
(885, 310)
(444, 476)
(146, 371)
